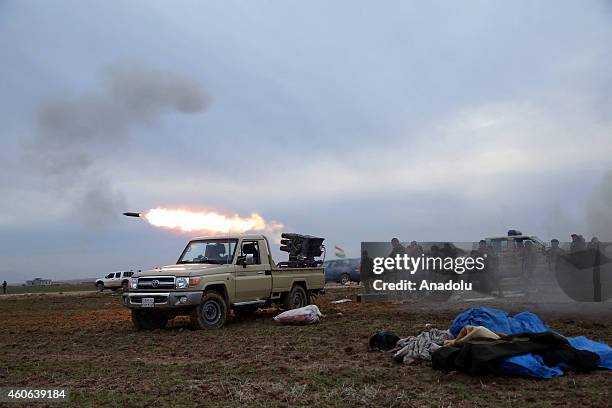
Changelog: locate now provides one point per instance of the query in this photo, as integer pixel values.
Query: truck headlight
(182, 283)
(134, 283)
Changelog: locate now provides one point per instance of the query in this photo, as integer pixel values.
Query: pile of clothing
(410, 350)
(485, 340)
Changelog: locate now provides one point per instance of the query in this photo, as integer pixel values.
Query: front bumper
(163, 300)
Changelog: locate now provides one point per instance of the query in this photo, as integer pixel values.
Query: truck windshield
(213, 251)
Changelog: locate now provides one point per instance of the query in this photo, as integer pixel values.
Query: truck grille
(156, 282)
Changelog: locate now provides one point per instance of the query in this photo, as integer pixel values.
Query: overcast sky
(355, 121)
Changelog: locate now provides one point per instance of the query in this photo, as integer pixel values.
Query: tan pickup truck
(214, 275)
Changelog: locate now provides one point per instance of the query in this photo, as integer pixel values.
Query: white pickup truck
(114, 281)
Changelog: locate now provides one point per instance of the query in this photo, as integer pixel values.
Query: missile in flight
(132, 214)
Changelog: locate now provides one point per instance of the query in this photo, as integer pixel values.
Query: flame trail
(208, 222)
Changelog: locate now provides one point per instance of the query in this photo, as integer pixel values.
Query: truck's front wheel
(210, 313)
(148, 320)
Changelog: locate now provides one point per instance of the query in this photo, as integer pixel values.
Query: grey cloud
(74, 132)
(145, 93)
(98, 203)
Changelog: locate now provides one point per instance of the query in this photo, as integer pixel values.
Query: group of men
(579, 243)
(413, 249)
(525, 251)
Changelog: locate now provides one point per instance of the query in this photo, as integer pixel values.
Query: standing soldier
(578, 243)
(396, 248)
(594, 244)
(491, 279)
(393, 275)
(414, 249)
(528, 266)
(365, 271)
(4, 287)
(552, 256)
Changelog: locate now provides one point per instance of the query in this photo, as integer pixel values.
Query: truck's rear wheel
(149, 320)
(296, 298)
(210, 313)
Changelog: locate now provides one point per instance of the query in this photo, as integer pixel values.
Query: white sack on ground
(304, 315)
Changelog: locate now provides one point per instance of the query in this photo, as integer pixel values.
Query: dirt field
(86, 343)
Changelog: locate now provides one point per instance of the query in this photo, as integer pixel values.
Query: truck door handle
(260, 272)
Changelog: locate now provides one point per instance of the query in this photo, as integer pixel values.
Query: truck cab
(246, 261)
(214, 275)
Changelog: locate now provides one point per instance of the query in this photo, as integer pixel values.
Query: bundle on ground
(304, 315)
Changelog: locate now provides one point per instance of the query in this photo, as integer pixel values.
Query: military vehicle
(215, 275)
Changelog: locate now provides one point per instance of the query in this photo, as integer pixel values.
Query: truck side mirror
(246, 259)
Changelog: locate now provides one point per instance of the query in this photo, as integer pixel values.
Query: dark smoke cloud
(75, 132)
(72, 130)
(599, 212)
(559, 224)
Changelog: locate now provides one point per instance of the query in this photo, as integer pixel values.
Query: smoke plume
(75, 133)
(599, 212)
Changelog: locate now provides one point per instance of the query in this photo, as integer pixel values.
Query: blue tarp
(499, 321)
(602, 349)
(530, 364)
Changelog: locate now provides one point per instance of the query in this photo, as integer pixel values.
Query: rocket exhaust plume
(208, 222)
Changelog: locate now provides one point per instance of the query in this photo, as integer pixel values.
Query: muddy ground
(86, 342)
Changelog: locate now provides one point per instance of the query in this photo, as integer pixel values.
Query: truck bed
(284, 278)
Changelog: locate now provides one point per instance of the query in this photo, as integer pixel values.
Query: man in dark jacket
(528, 266)
(414, 249)
(365, 271)
(396, 248)
(552, 256)
(578, 243)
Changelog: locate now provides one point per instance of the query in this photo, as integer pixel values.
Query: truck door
(253, 280)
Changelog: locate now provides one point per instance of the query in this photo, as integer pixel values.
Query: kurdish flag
(339, 252)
